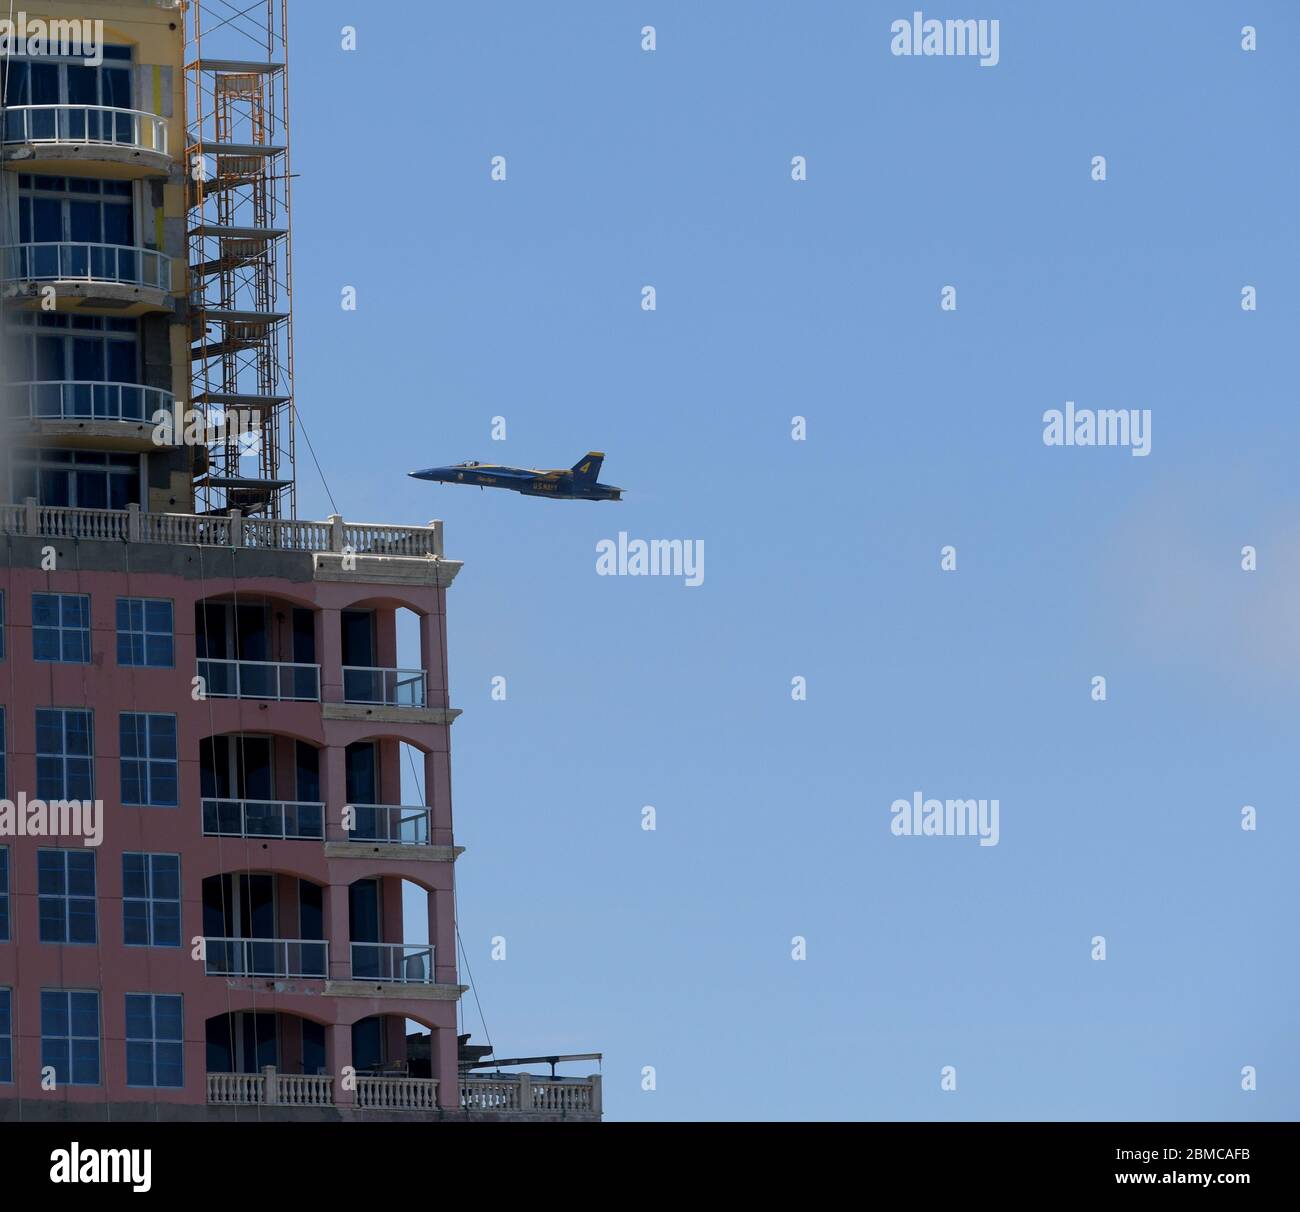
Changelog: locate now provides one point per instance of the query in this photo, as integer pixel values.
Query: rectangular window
(65, 763)
(65, 895)
(149, 766)
(144, 633)
(6, 1035)
(70, 1036)
(151, 900)
(82, 479)
(154, 1040)
(61, 627)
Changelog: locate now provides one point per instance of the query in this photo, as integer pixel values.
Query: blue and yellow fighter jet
(578, 483)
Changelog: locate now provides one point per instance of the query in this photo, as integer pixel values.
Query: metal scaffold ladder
(240, 258)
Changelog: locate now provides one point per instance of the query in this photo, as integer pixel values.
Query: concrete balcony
(280, 820)
(277, 681)
(114, 279)
(272, 1088)
(312, 550)
(232, 530)
(508, 1095)
(272, 957)
(61, 140)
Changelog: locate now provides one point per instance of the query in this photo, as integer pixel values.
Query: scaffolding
(240, 254)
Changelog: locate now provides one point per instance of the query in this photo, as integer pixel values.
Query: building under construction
(226, 682)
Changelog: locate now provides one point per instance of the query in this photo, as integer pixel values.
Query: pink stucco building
(262, 924)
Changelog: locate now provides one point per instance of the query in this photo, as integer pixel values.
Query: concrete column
(390, 909)
(338, 1056)
(334, 790)
(390, 772)
(395, 1037)
(330, 656)
(442, 934)
(287, 924)
(431, 658)
(336, 918)
(437, 795)
(386, 638)
(442, 1053)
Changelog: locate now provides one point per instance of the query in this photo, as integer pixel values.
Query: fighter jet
(578, 483)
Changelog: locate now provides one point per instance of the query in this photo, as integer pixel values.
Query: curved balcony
(118, 277)
(59, 137)
(78, 402)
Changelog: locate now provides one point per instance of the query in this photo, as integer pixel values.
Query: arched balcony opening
(264, 924)
(385, 663)
(258, 1057)
(390, 928)
(261, 785)
(386, 802)
(258, 648)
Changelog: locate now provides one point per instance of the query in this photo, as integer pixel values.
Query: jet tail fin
(587, 468)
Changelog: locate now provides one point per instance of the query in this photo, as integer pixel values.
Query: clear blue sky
(522, 299)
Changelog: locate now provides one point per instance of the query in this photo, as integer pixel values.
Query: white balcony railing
(238, 1088)
(132, 525)
(280, 819)
(384, 687)
(397, 1093)
(393, 963)
(272, 1088)
(85, 401)
(115, 264)
(528, 1094)
(390, 824)
(282, 681)
(99, 124)
(283, 957)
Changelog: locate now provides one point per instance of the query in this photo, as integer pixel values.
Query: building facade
(222, 788)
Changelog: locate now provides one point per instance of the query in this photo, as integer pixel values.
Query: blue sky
(820, 298)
